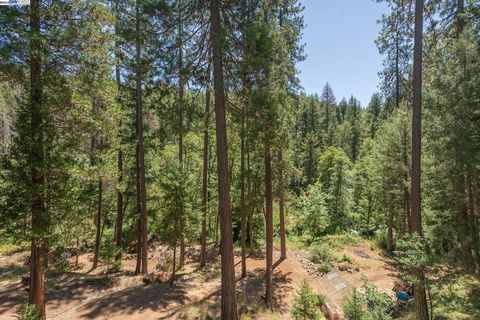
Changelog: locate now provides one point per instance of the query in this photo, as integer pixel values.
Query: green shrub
(165, 265)
(353, 309)
(320, 253)
(320, 299)
(58, 260)
(380, 239)
(108, 253)
(379, 304)
(27, 311)
(345, 258)
(306, 304)
(7, 249)
(325, 267)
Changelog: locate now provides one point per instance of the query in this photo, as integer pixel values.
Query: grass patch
(342, 240)
(7, 249)
(455, 297)
(344, 258)
(296, 242)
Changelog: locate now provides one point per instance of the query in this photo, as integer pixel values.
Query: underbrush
(335, 241)
(454, 296)
(11, 248)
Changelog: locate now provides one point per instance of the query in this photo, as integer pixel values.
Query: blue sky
(339, 44)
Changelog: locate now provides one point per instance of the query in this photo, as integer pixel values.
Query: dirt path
(83, 295)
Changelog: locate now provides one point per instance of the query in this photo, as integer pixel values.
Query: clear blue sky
(339, 44)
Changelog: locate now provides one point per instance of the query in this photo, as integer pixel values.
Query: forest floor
(84, 294)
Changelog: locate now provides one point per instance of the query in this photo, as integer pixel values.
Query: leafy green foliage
(411, 252)
(379, 304)
(354, 307)
(27, 311)
(321, 253)
(306, 304)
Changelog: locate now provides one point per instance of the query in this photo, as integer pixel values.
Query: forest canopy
(127, 124)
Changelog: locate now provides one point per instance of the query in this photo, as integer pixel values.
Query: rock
(344, 266)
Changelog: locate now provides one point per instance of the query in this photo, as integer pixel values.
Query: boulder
(344, 266)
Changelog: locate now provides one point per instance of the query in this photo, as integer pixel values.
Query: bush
(166, 265)
(380, 239)
(58, 259)
(379, 304)
(306, 304)
(345, 258)
(108, 253)
(325, 267)
(320, 253)
(27, 311)
(7, 249)
(353, 309)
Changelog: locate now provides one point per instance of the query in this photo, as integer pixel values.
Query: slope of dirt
(82, 294)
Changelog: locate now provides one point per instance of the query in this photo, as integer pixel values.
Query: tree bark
(228, 299)
(242, 196)
(143, 245)
(98, 225)
(250, 231)
(473, 223)
(38, 210)
(390, 226)
(268, 227)
(281, 207)
(421, 307)
(181, 93)
(119, 218)
(174, 263)
(205, 173)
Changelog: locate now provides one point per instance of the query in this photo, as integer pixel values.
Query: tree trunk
(250, 231)
(181, 85)
(228, 298)
(406, 193)
(268, 227)
(174, 263)
(473, 224)
(205, 173)
(421, 307)
(251, 208)
(36, 156)
(459, 16)
(119, 218)
(98, 225)
(390, 226)
(369, 213)
(281, 207)
(464, 231)
(181, 261)
(138, 266)
(77, 252)
(242, 196)
(143, 245)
